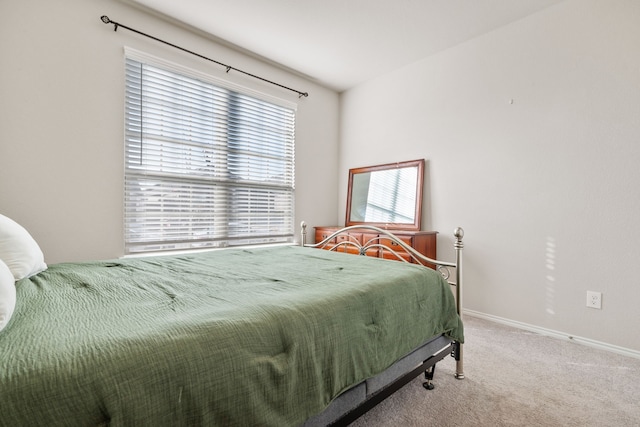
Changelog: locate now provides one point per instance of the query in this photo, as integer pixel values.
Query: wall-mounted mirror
(387, 196)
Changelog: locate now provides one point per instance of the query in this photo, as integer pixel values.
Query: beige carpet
(519, 378)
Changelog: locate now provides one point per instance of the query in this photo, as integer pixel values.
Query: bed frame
(356, 401)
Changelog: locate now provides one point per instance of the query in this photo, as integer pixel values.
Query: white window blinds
(205, 166)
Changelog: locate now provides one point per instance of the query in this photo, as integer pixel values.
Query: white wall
(61, 120)
(532, 140)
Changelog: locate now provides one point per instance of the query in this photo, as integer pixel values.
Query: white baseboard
(555, 334)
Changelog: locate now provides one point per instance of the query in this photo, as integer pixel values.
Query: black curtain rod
(106, 20)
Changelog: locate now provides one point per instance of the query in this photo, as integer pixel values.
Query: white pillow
(18, 250)
(7, 294)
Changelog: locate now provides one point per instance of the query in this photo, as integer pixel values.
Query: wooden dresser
(422, 241)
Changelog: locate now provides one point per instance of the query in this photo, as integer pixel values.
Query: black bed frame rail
(381, 395)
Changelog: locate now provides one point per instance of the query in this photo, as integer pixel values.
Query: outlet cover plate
(594, 299)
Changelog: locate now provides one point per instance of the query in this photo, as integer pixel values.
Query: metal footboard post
(303, 233)
(458, 245)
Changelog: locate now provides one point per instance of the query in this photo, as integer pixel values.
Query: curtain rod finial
(106, 20)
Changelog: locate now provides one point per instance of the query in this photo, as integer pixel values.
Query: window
(205, 166)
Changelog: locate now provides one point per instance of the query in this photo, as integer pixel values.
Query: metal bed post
(458, 245)
(303, 233)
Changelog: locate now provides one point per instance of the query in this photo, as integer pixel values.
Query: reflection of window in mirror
(384, 196)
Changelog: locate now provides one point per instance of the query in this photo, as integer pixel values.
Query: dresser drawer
(349, 237)
(388, 255)
(323, 234)
(355, 238)
(395, 246)
(371, 239)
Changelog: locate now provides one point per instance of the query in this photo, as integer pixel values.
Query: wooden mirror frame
(415, 226)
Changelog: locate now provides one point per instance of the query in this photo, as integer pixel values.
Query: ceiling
(341, 43)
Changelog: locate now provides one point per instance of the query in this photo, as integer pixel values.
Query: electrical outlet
(594, 299)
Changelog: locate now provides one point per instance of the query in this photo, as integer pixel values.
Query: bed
(270, 336)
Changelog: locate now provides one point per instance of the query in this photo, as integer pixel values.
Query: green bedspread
(246, 337)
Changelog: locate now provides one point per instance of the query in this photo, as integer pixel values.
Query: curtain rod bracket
(106, 20)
